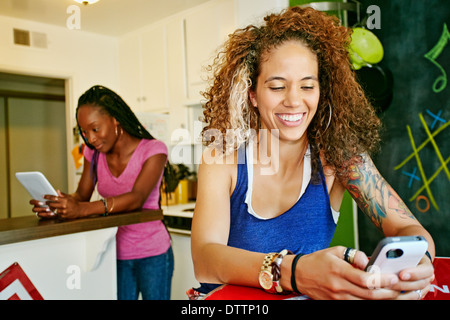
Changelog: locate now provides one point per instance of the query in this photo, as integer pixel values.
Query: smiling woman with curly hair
(345, 124)
(286, 89)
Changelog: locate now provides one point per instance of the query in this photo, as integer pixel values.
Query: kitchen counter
(180, 210)
(178, 217)
(49, 251)
(31, 228)
(67, 259)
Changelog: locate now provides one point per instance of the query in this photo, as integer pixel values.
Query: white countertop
(178, 210)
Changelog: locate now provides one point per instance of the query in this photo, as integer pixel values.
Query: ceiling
(108, 17)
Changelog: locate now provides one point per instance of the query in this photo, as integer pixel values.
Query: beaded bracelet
(105, 205)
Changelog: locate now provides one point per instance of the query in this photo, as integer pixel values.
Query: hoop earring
(329, 119)
(117, 131)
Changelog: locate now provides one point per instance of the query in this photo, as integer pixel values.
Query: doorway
(32, 137)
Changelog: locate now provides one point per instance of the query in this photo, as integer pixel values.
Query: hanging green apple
(365, 48)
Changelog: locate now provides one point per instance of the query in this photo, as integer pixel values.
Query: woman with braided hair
(126, 164)
(288, 130)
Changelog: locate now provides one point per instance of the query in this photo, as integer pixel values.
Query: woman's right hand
(41, 209)
(326, 275)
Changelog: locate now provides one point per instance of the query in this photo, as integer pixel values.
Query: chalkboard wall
(415, 152)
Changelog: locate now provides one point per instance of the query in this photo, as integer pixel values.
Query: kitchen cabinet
(206, 29)
(176, 61)
(176, 72)
(183, 274)
(143, 69)
(183, 278)
(162, 66)
(130, 68)
(154, 68)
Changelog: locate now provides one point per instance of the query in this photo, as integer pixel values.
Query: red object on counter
(440, 289)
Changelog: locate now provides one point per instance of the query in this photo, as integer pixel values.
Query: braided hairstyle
(111, 103)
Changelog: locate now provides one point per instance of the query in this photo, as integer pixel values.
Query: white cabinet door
(183, 275)
(143, 70)
(176, 73)
(206, 29)
(162, 66)
(154, 69)
(130, 70)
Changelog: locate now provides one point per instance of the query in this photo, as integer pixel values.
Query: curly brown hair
(345, 125)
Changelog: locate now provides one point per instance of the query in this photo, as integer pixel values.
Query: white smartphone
(36, 184)
(394, 254)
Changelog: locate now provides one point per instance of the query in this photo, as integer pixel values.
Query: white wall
(253, 11)
(83, 58)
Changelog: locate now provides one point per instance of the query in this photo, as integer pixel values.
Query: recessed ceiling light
(86, 2)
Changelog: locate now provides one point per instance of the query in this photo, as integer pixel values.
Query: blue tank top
(308, 226)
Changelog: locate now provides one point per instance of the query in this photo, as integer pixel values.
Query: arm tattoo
(374, 196)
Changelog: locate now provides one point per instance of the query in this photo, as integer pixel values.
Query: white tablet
(36, 184)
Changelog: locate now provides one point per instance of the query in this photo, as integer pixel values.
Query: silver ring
(349, 255)
(419, 292)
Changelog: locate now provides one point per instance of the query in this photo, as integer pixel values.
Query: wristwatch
(269, 276)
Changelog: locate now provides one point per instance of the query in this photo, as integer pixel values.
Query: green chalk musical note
(441, 82)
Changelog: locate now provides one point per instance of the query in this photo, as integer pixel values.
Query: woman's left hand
(415, 282)
(64, 205)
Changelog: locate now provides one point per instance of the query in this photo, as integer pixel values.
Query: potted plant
(170, 183)
(186, 177)
(175, 186)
